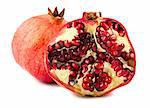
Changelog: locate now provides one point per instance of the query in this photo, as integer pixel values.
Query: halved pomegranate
(91, 56)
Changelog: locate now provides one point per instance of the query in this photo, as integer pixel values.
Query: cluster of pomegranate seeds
(86, 54)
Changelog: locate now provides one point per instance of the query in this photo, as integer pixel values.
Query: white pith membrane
(63, 74)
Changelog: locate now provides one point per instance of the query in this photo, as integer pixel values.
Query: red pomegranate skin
(30, 42)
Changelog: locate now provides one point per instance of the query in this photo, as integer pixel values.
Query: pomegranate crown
(91, 15)
(55, 12)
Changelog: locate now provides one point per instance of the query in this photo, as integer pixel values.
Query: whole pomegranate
(91, 56)
(31, 39)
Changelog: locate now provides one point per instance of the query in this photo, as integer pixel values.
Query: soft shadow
(51, 84)
(90, 97)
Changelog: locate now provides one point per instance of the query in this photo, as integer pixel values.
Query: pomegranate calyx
(91, 15)
(56, 14)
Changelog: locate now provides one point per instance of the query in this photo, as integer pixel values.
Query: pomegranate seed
(62, 67)
(103, 74)
(103, 85)
(113, 38)
(91, 59)
(75, 66)
(87, 61)
(78, 59)
(108, 58)
(124, 54)
(103, 45)
(74, 57)
(109, 23)
(109, 43)
(84, 65)
(90, 75)
(50, 48)
(57, 46)
(82, 54)
(115, 46)
(104, 39)
(97, 71)
(119, 73)
(115, 27)
(54, 66)
(68, 66)
(127, 56)
(76, 37)
(115, 63)
(125, 72)
(75, 42)
(100, 33)
(98, 29)
(80, 26)
(104, 25)
(76, 53)
(129, 77)
(132, 55)
(61, 58)
(94, 47)
(108, 79)
(118, 47)
(97, 86)
(87, 79)
(118, 68)
(67, 44)
(89, 45)
(66, 56)
(115, 53)
(84, 48)
(99, 61)
(58, 53)
(73, 74)
(121, 46)
(106, 34)
(122, 33)
(102, 55)
(61, 43)
(99, 66)
(86, 86)
(71, 82)
(70, 52)
(80, 31)
(84, 69)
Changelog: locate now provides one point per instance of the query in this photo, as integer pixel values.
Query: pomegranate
(31, 39)
(91, 56)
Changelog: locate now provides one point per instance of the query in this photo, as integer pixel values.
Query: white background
(18, 89)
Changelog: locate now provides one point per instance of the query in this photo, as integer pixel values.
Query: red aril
(30, 42)
(95, 53)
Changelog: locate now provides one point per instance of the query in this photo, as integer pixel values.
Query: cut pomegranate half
(91, 56)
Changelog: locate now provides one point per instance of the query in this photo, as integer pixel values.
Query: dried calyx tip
(100, 14)
(49, 10)
(55, 13)
(62, 13)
